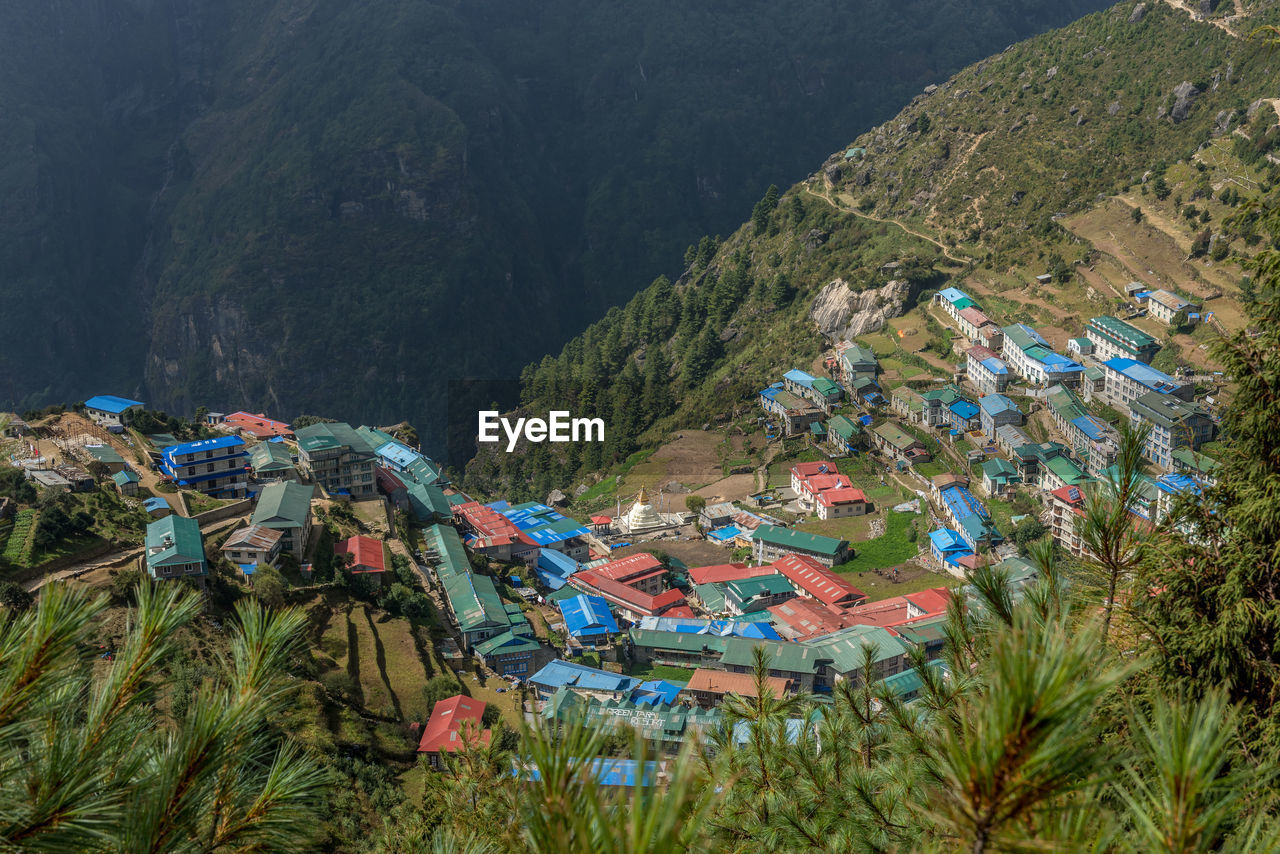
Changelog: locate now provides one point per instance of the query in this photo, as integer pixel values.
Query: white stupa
(642, 516)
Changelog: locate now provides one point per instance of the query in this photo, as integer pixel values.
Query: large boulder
(839, 312)
(1183, 95)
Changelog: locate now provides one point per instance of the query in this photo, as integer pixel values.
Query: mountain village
(593, 617)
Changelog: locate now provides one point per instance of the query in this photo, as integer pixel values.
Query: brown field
(688, 552)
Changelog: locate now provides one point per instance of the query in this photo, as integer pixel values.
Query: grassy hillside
(1002, 173)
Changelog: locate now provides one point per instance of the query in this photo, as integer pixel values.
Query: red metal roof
(454, 722)
(977, 351)
(974, 316)
(601, 520)
(818, 582)
(803, 470)
(724, 682)
(367, 552)
(632, 569)
(491, 526)
(724, 572)
(844, 495)
(931, 601)
(808, 618)
(628, 597)
(259, 425)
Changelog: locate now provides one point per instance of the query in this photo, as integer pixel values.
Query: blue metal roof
(994, 404)
(804, 378)
(155, 503)
(566, 673)
(111, 403)
(1176, 483)
(1090, 426)
(1143, 374)
(953, 294)
(719, 628)
(994, 365)
(1060, 364)
(945, 540)
(587, 616)
(556, 563)
(965, 409)
(656, 693)
(397, 454)
(218, 444)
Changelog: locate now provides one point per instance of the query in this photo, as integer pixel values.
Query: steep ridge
(973, 181)
(212, 195)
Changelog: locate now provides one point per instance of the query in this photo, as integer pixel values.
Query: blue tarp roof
(560, 672)
(111, 403)
(728, 532)
(961, 503)
(587, 616)
(609, 772)
(656, 693)
(1176, 483)
(866, 420)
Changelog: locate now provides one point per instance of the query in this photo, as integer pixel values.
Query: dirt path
(1223, 24)
(826, 197)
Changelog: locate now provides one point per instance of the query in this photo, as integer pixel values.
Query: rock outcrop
(1183, 95)
(840, 312)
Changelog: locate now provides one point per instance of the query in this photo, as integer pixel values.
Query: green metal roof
(998, 467)
(1122, 334)
(1065, 469)
(856, 354)
(1165, 410)
(104, 454)
(506, 643)
(1194, 461)
(761, 585)
(790, 538)
(844, 427)
(844, 648)
(783, 655)
(270, 456)
(283, 505)
(825, 387)
(963, 303)
(711, 596)
(178, 540)
(445, 541)
(323, 437)
(896, 436)
(428, 502)
(683, 641)
(475, 601)
(817, 429)
(123, 477)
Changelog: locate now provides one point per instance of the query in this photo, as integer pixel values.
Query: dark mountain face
(300, 205)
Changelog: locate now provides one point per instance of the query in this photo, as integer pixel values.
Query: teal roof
(177, 541)
(475, 601)
(283, 505)
(506, 643)
(270, 457)
(825, 386)
(711, 596)
(844, 427)
(123, 477)
(104, 454)
(761, 585)
(790, 538)
(428, 502)
(683, 641)
(324, 437)
(1065, 469)
(998, 467)
(844, 648)
(453, 555)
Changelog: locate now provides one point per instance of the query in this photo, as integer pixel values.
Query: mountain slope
(967, 183)
(216, 194)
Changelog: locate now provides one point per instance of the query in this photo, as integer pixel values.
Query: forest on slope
(200, 200)
(985, 166)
